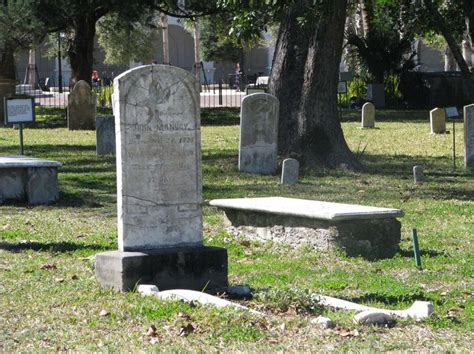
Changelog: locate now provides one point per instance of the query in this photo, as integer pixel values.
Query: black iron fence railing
(46, 93)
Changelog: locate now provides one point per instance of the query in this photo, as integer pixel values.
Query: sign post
(19, 111)
(452, 113)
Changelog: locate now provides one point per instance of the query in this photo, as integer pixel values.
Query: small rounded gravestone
(290, 171)
(418, 175)
(368, 115)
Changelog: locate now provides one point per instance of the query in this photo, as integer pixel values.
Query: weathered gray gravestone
(105, 135)
(159, 188)
(418, 175)
(469, 136)
(438, 121)
(368, 115)
(290, 171)
(258, 133)
(81, 107)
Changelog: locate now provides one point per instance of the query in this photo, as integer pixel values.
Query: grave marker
(469, 136)
(368, 115)
(258, 133)
(438, 121)
(105, 135)
(290, 171)
(81, 107)
(159, 188)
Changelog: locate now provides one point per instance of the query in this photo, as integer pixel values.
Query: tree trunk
(197, 49)
(7, 64)
(286, 80)
(469, 20)
(81, 48)
(304, 78)
(166, 49)
(366, 11)
(453, 46)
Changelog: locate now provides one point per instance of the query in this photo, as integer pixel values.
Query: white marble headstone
(368, 115)
(438, 121)
(258, 133)
(159, 190)
(469, 136)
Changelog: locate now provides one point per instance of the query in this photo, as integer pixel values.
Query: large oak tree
(305, 76)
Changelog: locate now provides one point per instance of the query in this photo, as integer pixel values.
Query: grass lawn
(49, 298)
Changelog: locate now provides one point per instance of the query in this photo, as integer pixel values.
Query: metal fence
(211, 96)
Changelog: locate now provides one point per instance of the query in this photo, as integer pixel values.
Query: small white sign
(451, 112)
(19, 110)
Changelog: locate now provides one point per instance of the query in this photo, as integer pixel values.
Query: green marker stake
(416, 249)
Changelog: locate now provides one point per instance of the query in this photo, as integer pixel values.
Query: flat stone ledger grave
(469, 137)
(357, 230)
(28, 179)
(159, 188)
(81, 107)
(258, 133)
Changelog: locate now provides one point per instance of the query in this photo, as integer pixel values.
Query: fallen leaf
(154, 340)
(343, 332)
(151, 331)
(185, 330)
(6, 227)
(291, 311)
(245, 243)
(74, 277)
(184, 315)
(453, 311)
(48, 267)
(59, 280)
(104, 313)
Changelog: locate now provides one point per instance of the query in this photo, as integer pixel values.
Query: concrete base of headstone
(105, 135)
(195, 268)
(371, 239)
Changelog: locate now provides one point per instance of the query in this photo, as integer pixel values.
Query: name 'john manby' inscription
(158, 158)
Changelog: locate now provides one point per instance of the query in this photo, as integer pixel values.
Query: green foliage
(382, 50)
(216, 43)
(18, 27)
(66, 301)
(357, 87)
(104, 96)
(124, 42)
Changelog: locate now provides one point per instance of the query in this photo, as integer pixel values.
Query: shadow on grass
(389, 299)
(423, 253)
(220, 116)
(49, 247)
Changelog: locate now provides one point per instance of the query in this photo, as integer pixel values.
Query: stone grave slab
(105, 135)
(368, 115)
(438, 121)
(81, 107)
(469, 136)
(258, 133)
(159, 188)
(290, 171)
(28, 179)
(370, 232)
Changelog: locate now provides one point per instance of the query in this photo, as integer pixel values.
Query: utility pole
(197, 50)
(166, 48)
